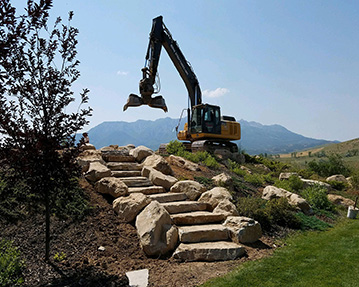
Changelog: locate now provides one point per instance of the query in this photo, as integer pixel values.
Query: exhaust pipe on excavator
(146, 91)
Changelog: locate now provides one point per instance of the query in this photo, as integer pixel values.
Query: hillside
(256, 138)
(349, 150)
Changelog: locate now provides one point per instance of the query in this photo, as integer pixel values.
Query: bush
(334, 165)
(316, 196)
(312, 223)
(255, 179)
(293, 184)
(207, 182)
(338, 185)
(11, 265)
(175, 147)
(269, 213)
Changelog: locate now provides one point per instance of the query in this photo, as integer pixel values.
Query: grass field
(327, 258)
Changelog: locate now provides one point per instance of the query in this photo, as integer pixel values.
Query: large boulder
(157, 234)
(87, 146)
(214, 196)
(112, 186)
(272, 192)
(226, 207)
(223, 179)
(97, 171)
(310, 182)
(159, 163)
(191, 188)
(158, 178)
(337, 177)
(128, 207)
(141, 152)
(243, 229)
(88, 156)
(183, 163)
(340, 200)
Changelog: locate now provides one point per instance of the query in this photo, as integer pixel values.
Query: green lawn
(329, 258)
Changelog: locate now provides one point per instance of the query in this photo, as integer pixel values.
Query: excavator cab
(206, 119)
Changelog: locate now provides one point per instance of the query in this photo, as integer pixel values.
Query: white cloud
(219, 92)
(122, 73)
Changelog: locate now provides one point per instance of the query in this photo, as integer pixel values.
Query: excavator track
(211, 146)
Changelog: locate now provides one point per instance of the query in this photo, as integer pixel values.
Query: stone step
(201, 233)
(126, 173)
(197, 217)
(124, 166)
(148, 190)
(137, 181)
(184, 206)
(169, 197)
(208, 251)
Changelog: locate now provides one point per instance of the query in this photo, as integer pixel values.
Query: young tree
(38, 65)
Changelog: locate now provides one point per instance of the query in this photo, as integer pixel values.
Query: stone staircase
(201, 234)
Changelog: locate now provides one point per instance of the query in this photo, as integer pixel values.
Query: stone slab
(147, 189)
(208, 251)
(137, 181)
(197, 217)
(124, 166)
(125, 173)
(202, 233)
(184, 206)
(168, 197)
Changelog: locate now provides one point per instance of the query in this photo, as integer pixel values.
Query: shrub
(316, 196)
(11, 265)
(312, 223)
(207, 182)
(255, 179)
(293, 184)
(338, 185)
(175, 147)
(334, 165)
(269, 213)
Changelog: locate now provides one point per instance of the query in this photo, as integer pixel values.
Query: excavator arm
(161, 37)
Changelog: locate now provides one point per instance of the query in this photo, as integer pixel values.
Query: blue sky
(293, 63)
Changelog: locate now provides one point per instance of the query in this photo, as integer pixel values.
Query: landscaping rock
(87, 146)
(159, 163)
(128, 207)
(158, 178)
(263, 167)
(223, 179)
(88, 156)
(272, 192)
(157, 234)
(97, 171)
(208, 251)
(243, 229)
(183, 163)
(141, 152)
(226, 207)
(214, 196)
(119, 155)
(191, 188)
(309, 182)
(112, 186)
(337, 177)
(340, 200)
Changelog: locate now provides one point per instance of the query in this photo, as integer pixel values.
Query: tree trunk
(47, 216)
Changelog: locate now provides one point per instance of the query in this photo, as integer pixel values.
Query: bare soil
(86, 265)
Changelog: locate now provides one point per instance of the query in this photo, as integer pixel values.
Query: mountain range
(256, 138)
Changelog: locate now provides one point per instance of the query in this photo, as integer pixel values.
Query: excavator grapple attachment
(136, 101)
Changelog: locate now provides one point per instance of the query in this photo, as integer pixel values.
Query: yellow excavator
(205, 128)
